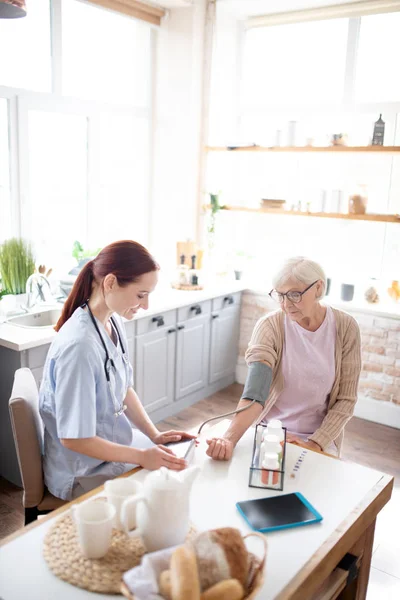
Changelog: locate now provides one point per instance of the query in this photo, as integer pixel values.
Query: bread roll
(185, 583)
(164, 585)
(221, 554)
(229, 589)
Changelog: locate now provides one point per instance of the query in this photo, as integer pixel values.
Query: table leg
(357, 590)
(363, 573)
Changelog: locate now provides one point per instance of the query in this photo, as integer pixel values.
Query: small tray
(255, 467)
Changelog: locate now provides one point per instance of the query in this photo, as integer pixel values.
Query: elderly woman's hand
(220, 448)
(305, 443)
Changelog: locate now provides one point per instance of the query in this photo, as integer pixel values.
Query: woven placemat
(64, 557)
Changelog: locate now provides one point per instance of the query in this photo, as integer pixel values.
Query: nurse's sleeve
(76, 375)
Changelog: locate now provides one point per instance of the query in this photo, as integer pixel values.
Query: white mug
(116, 491)
(94, 522)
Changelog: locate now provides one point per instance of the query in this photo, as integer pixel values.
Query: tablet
(183, 449)
(278, 512)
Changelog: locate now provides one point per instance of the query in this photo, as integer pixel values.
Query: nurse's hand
(166, 437)
(220, 448)
(161, 456)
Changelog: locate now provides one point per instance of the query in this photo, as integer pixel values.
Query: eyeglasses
(294, 297)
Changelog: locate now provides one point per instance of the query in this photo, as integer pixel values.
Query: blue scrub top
(75, 402)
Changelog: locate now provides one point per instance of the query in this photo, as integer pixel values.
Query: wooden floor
(366, 443)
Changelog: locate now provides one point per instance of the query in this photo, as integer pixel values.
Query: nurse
(87, 401)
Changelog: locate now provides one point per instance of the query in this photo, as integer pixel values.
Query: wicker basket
(257, 579)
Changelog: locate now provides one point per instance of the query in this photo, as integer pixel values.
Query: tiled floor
(366, 443)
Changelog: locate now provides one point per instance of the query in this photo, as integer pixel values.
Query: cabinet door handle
(181, 327)
(158, 320)
(228, 299)
(172, 330)
(196, 308)
(215, 316)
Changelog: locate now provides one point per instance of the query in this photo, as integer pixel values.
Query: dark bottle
(192, 273)
(379, 132)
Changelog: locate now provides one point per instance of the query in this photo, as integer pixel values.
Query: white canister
(274, 427)
(291, 140)
(271, 443)
(270, 475)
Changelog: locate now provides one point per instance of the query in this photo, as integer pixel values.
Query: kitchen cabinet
(224, 336)
(154, 364)
(193, 340)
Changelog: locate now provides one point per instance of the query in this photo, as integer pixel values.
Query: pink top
(308, 368)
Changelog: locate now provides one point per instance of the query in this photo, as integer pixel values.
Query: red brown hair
(127, 260)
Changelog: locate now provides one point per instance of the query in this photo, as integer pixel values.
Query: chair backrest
(28, 435)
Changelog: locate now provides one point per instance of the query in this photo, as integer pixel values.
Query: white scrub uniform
(75, 402)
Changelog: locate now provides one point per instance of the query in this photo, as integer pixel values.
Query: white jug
(162, 510)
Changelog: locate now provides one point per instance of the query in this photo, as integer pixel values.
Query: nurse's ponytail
(127, 260)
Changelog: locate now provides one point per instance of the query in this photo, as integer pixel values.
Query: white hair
(303, 269)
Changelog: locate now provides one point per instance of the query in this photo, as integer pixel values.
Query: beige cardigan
(266, 345)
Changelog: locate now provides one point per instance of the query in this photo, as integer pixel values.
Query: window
(25, 49)
(295, 64)
(106, 56)
(377, 59)
(57, 183)
(120, 191)
(5, 202)
(82, 161)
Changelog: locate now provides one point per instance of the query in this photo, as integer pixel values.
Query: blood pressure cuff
(258, 382)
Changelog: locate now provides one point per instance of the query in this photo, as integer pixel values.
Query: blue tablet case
(278, 512)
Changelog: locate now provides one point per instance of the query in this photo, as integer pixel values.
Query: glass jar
(358, 200)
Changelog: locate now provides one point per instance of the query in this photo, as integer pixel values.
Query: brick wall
(380, 342)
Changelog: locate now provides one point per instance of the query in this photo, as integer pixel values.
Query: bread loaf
(185, 583)
(164, 585)
(230, 589)
(221, 554)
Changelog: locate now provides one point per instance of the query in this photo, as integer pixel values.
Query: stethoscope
(109, 364)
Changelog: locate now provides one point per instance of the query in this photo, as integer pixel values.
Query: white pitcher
(162, 510)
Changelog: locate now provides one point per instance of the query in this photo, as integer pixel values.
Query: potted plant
(81, 256)
(215, 207)
(240, 262)
(16, 265)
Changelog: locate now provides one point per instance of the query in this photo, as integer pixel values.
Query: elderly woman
(304, 363)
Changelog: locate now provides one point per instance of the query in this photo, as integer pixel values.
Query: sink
(45, 318)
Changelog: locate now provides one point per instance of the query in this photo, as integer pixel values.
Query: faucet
(38, 290)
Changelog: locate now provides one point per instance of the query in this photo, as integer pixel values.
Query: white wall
(178, 105)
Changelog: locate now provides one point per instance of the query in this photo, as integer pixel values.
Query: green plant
(3, 293)
(16, 265)
(215, 208)
(79, 253)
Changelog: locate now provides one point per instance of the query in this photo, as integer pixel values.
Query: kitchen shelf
(338, 149)
(323, 215)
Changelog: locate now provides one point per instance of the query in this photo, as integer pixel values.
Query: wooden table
(299, 560)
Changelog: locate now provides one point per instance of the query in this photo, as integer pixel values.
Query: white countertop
(22, 338)
(335, 488)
